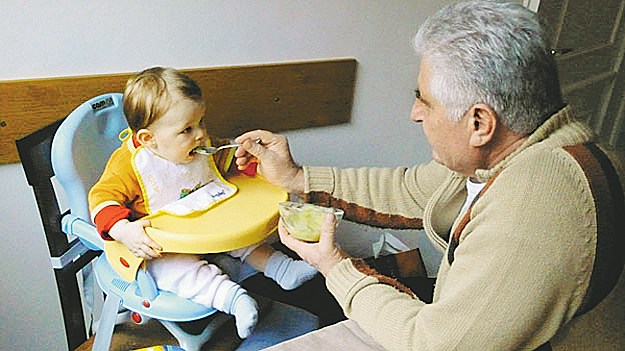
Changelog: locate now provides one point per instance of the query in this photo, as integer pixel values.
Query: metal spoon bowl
(209, 150)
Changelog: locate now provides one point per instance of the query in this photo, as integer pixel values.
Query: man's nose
(417, 112)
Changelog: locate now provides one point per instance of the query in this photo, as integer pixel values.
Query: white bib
(179, 189)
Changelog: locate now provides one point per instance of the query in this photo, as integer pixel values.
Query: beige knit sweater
(523, 263)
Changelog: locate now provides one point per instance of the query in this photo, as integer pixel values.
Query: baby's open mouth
(203, 150)
(209, 150)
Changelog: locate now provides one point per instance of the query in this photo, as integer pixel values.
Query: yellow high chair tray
(246, 218)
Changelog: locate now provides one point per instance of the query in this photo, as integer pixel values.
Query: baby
(164, 109)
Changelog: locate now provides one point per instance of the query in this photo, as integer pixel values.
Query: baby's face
(178, 131)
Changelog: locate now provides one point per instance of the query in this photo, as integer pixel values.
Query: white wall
(66, 38)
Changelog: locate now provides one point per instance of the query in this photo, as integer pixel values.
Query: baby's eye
(417, 93)
(187, 130)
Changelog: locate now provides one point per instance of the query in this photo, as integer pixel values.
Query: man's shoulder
(543, 169)
(558, 172)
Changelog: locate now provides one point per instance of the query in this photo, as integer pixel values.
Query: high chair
(79, 151)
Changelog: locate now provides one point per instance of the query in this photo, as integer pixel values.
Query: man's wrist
(331, 261)
(297, 185)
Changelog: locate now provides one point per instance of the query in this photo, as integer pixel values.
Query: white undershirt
(473, 188)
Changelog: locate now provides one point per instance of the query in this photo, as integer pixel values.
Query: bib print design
(179, 189)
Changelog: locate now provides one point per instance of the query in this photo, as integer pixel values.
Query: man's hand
(134, 237)
(275, 162)
(323, 255)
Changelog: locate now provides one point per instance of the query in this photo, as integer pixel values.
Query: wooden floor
(312, 296)
(132, 337)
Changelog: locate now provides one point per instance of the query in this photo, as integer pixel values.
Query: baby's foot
(288, 273)
(245, 313)
(233, 300)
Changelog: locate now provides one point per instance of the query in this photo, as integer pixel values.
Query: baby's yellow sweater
(119, 186)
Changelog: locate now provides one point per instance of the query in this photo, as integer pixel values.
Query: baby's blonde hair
(150, 93)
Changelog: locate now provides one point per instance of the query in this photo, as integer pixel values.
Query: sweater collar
(558, 130)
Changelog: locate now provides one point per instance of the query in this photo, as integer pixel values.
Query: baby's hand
(134, 237)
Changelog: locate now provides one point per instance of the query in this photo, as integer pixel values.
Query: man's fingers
(328, 227)
(247, 136)
(286, 237)
(283, 232)
(250, 150)
(253, 149)
(258, 136)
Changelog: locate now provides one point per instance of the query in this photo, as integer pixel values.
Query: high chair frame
(56, 151)
(42, 156)
(68, 256)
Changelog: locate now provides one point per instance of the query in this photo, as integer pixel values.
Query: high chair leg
(104, 334)
(190, 342)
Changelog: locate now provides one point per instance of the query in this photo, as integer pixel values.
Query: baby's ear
(144, 137)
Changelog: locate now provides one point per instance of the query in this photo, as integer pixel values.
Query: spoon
(209, 150)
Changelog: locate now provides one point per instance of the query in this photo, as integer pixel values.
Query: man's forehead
(423, 76)
(423, 92)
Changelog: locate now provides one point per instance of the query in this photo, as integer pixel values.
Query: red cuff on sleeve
(107, 217)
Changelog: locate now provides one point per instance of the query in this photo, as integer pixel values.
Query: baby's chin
(188, 159)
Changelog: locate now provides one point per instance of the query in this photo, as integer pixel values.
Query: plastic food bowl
(304, 221)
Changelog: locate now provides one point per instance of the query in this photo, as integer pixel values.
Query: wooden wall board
(275, 97)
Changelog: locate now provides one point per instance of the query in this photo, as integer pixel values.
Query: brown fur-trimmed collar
(364, 268)
(359, 214)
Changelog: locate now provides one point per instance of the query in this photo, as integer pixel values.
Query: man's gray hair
(492, 53)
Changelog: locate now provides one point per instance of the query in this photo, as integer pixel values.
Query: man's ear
(482, 123)
(145, 137)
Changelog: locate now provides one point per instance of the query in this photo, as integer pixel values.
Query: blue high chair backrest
(81, 147)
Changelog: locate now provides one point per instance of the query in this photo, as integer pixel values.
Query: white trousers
(188, 276)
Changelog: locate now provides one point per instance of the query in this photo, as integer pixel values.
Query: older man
(528, 204)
